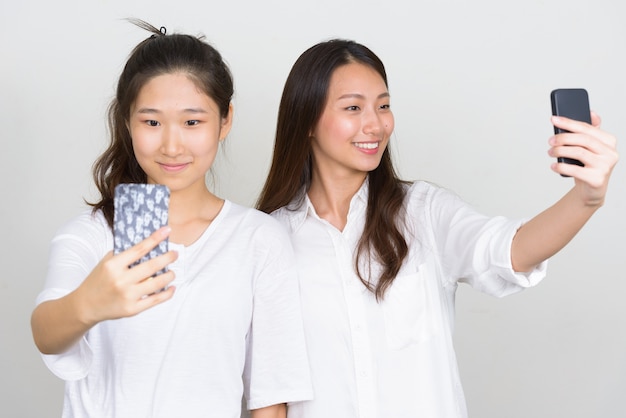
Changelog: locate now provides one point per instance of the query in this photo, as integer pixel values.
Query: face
(355, 125)
(176, 130)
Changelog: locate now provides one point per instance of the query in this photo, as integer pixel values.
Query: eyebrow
(360, 96)
(149, 110)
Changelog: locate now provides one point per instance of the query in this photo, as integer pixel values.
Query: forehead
(169, 88)
(356, 76)
(170, 83)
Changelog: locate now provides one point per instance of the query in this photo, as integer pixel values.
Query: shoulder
(85, 222)
(423, 193)
(265, 240)
(432, 206)
(77, 247)
(292, 216)
(247, 214)
(254, 220)
(88, 226)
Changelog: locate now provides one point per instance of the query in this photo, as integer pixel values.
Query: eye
(193, 122)
(385, 106)
(353, 108)
(151, 122)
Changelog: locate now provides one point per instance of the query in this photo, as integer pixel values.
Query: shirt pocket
(408, 311)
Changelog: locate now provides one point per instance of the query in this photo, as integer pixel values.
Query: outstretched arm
(547, 233)
(111, 290)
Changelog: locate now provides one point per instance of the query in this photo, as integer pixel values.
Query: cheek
(337, 129)
(389, 125)
(140, 145)
(143, 145)
(204, 142)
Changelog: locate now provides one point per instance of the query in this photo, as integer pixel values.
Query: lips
(173, 168)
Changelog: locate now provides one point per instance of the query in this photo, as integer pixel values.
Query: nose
(171, 141)
(373, 123)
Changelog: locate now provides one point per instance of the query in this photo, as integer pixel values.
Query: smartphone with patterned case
(140, 209)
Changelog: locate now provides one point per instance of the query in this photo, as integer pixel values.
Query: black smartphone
(572, 104)
(139, 210)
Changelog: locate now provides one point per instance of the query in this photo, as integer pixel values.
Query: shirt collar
(297, 215)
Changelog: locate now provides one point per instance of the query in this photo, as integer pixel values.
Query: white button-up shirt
(395, 358)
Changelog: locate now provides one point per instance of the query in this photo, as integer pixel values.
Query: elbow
(523, 259)
(522, 268)
(39, 335)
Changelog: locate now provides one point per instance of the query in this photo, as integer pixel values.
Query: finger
(592, 154)
(155, 298)
(569, 151)
(139, 250)
(150, 267)
(570, 125)
(595, 179)
(597, 166)
(595, 119)
(145, 288)
(155, 284)
(563, 145)
(593, 138)
(568, 170)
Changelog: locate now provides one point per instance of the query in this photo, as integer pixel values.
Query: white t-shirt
(395, 358)
(235, 313)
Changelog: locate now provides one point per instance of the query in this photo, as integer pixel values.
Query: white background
(470, 84)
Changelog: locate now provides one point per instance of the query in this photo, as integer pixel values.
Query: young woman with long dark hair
(380, 258)
(228, 324)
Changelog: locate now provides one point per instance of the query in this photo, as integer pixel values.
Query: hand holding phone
(572, 104)
(139, 210)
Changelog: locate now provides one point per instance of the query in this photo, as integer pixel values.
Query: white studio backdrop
(470, 84)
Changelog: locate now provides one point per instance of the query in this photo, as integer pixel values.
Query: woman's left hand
(592, 146)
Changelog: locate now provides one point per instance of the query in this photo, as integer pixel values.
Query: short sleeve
(75, 250)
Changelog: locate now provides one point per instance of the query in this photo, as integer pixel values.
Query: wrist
(82, 309)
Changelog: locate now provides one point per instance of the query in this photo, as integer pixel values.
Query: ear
(227, 123)
(311, 134)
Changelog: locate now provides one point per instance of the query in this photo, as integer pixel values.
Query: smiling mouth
(366, 145)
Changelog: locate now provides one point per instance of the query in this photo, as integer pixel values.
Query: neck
(331, 196)
(191, 212)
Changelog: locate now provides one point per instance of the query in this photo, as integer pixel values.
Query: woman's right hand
(113, 290)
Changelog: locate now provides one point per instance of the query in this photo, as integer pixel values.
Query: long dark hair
(158, 55)
(302, 103)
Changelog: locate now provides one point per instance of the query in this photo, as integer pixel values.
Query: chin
(370, 167)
